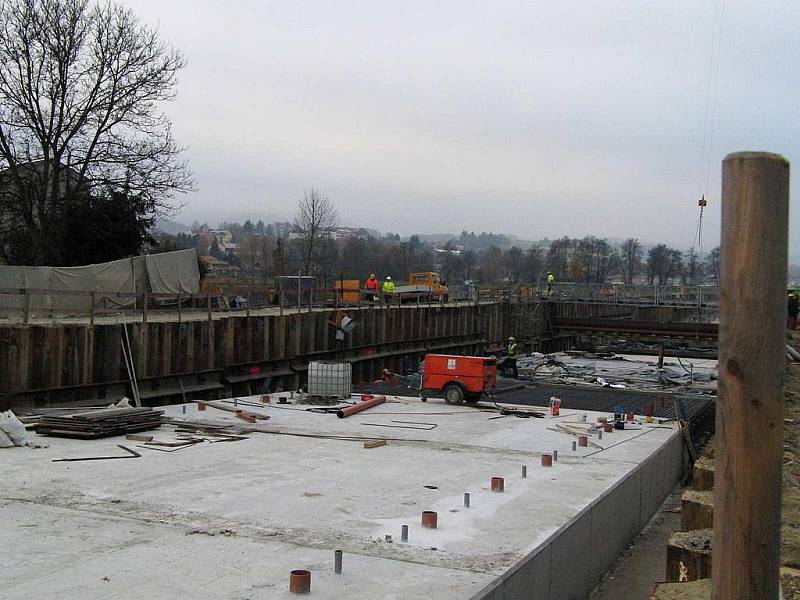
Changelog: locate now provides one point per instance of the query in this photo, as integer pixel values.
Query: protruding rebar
(429, 519)
(337, 562)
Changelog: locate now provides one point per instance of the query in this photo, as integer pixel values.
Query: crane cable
(709, 118)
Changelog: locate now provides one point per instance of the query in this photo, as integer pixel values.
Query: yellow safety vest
(388, 286)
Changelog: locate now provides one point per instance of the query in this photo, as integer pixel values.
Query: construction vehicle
(460, 378)
(424, 287)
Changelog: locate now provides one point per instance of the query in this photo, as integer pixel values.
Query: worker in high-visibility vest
(388, 290)
(510, 361)
(551, 279)
(372, 287)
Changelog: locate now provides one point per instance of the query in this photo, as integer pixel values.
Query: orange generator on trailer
(461, 378)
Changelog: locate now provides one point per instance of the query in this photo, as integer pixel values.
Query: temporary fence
(26, 305)
(594, 293)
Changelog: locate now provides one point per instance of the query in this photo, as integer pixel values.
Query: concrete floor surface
(230, 520)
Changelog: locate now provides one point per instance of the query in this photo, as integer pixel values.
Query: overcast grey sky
(532, 118)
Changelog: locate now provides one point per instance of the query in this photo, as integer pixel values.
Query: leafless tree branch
(81, 85)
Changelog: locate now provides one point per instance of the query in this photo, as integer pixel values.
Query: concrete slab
(230, 520)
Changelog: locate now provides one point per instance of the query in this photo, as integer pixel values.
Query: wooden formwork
(39, 360)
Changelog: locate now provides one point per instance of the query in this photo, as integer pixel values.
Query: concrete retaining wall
(569, 564)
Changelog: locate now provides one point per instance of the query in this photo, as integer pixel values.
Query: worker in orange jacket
(372, 286)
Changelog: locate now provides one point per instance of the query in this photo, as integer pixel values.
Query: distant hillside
(170, 227)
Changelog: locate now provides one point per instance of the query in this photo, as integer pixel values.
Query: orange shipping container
(348, 290)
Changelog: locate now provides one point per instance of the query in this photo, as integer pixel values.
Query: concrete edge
(536, 576)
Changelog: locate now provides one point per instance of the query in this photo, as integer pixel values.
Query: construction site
(387, 301)
(382, 450)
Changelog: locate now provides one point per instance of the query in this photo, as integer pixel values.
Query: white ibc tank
(329, 379)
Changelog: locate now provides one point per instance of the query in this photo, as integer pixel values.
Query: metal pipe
(356, 408)
(429, 519)
(300, 581)
(337, 562)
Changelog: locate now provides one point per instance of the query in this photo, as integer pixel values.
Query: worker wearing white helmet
(388, 289)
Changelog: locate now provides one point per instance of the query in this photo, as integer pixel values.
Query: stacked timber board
(100, 423)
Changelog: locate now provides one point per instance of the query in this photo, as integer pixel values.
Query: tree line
(315, 245)
(265, 251)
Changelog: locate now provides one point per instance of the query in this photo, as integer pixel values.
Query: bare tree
(278, 259)
(469, 260)
(631, 259)
(558, 258)
(693, 270)
(513, 264)
(491, 261)
(711, 265)
(665, 263)
(315, 220)
(533, 264)
(80, 89)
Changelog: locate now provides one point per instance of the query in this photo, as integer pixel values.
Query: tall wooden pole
(752, 336)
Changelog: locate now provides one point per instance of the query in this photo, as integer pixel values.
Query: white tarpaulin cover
(173, 272)
(167, 273)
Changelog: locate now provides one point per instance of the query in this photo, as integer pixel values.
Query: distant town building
(222, 235)
(214, 266)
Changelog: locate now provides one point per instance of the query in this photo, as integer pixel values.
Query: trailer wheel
(453, 393)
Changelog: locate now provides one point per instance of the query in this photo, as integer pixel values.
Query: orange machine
(461, 378)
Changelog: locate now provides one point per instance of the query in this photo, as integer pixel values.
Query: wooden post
(752, 336)
(178, 300)
(26, 315)
(145, 302)
(93, 295)
(299, 292)
(208, 304)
